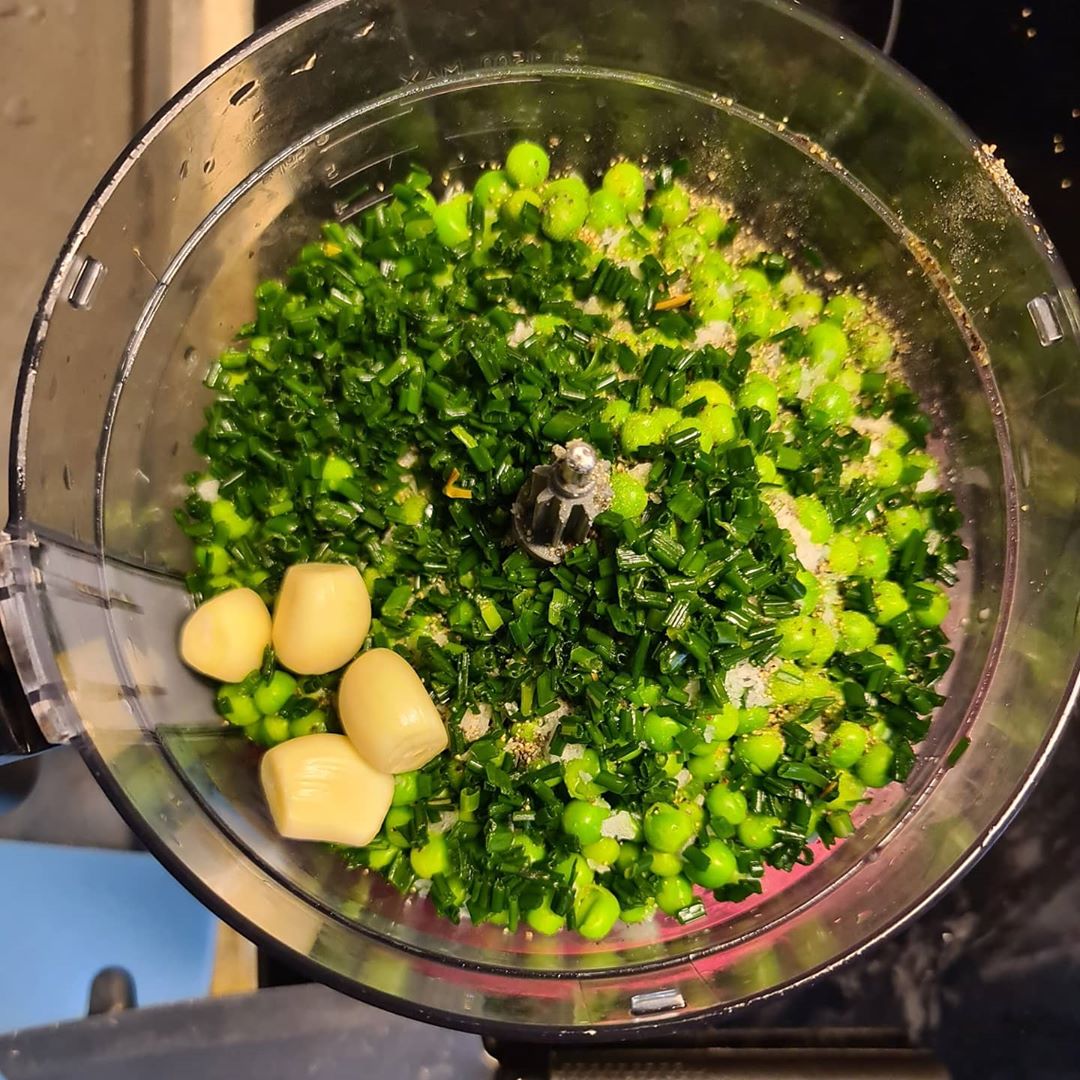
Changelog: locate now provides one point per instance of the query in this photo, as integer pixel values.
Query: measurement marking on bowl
(1043, 315)
(86, 282)
(656, 1001)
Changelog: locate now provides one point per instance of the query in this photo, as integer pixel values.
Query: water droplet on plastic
(184, 169)
(208, 166)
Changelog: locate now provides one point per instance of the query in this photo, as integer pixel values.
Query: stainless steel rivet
(1043, 315)
(86, 281)
(656, 1001)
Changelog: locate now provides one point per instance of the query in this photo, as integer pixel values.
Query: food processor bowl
(833, 155)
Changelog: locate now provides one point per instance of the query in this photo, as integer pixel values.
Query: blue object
(66, 913)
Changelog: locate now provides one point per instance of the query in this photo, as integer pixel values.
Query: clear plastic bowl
(832, 153)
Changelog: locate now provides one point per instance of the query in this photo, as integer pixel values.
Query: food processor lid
(88, 604)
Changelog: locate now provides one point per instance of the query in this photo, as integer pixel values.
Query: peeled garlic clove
(388, 714)
(226, 636)
(319, 788)
(322, 615)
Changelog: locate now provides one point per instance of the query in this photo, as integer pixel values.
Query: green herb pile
(748, 640)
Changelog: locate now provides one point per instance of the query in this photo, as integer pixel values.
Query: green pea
(759, 391)
(224, 513)
(724, 723)
(583, 820)
(578, 775)
(717, 423)
(849, 792)
(512, 208)
(827, 345)
(756, 315)
(887, 468)
(431, 859)
(236, 706)
(796, 636)
(682, 247)
(642, 429)
(272, 693)
(709, 223)
(638, 913)
(270, 731)
(891, 657)
(716, 306)
(595, 912)
(452, 221)
(786, 684)
(712, 270)
(814, 518)
(752, 719)
(710, 390)
(604, 852)
(312, 724)
(841, 824)
(846, 744)
(492, 189)
(532, 849)
(845, 308)
(335, 471)
(721, 870)
(916, 466)
(527, 165)
(660, 731)
(696, 812)
(874, 344)
(212, 558)
(406, 788)
(380, 856)
(566, 206)
(812, 586)
(874, 557)
(804, 307)
(674, 205)
(766, 469)
(544, 921)
(667, 828)
(397, 817)
(725, 804)
(830, 404)
(629, 499)
(606, 211)
(753, 282)
(671, 763)
(825, 642)
(629, 853)
(843, 555)
(874, 768)
(760, 750)
(934, 612)
(710, 765)
(902, 522)
(664, 864)
(626, 182)
(756, 831)
(615, 412)
(857, 632)
(674, 894)
(889, 601)
(575, 871)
